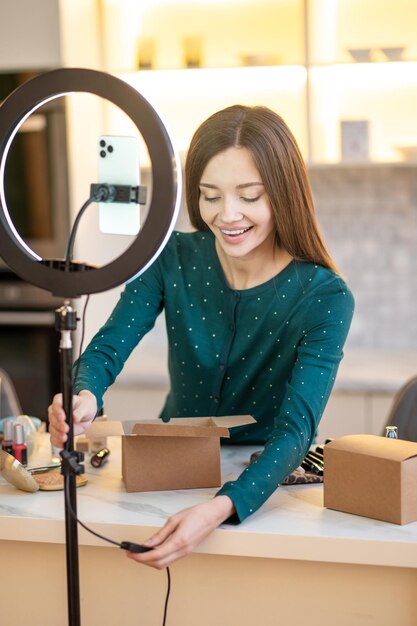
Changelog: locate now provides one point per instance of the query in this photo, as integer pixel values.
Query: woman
(256, 314)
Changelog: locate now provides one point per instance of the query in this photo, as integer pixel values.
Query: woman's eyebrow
(242, 186)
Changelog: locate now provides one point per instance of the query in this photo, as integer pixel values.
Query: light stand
(66, 322)
(72, 279)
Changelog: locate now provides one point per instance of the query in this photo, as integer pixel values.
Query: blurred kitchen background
(342, 73)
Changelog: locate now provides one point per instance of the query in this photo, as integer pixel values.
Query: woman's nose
(230, 211)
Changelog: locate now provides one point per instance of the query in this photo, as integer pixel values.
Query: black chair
(403, 412)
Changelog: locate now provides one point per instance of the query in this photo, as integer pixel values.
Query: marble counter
(291, 525)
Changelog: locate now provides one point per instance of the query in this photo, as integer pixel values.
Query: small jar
(391, 432)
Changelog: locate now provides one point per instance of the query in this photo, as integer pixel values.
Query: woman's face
(234, 205)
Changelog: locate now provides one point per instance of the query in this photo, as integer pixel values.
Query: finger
(80, 412)
(157, 558)
(57, 425)
(162, 534)
(58, 429)
(56, 414)
(84, 411)
(58, 442)
(58, 434)
(173, 547)
(57, 401)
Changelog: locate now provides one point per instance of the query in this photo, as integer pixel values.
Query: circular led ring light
(166, 191)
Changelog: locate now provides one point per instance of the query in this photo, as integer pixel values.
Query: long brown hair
(281, 167)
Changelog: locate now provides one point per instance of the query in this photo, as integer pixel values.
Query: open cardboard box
(372, 476)
(183, 453)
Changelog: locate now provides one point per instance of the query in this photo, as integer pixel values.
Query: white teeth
(235, 232)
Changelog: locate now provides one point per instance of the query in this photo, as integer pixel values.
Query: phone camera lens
(110, 149)
(102, 153)
(102, 143)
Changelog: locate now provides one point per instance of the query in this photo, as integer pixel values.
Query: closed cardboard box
(372, 476)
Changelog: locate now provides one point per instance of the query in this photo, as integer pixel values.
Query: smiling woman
(256, 315)
(236, 208)
(277, 164)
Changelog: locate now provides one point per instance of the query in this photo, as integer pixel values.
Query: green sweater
(271, 351)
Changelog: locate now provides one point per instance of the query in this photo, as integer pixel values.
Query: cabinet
(46, 34)
(316, 62)
(29, 35)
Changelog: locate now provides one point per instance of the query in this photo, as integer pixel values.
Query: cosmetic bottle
(20, 451)
(7, 443)
(391, 432)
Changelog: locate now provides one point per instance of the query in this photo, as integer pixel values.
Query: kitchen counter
(291, 536)
(293, 523)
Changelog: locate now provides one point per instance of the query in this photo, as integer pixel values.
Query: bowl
(360, 55)
(393, 54)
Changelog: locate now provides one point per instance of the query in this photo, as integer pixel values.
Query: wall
(369, 217)
(29, 35)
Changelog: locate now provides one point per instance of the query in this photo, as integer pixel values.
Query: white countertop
(292, 525)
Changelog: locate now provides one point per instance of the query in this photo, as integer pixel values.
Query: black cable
(125, 545)
(101, 194)
(81, 338)
(167, 596)
(93, 532)
(70, 245)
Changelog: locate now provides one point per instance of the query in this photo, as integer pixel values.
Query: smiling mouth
(235, 233)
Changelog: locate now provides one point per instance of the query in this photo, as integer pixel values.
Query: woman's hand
(183, 532)
(84, 411)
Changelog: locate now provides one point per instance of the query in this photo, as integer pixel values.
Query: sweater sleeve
(319, 351)
(134, 315)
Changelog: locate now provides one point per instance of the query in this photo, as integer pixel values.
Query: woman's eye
(211, 199)
(251, 199)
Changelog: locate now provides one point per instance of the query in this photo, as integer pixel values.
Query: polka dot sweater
(271, 351)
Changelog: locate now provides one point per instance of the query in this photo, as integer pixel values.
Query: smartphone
(118, 164)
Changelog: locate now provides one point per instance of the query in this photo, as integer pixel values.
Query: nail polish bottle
(20, 451)
(7, 443)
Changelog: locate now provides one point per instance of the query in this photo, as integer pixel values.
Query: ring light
(69, 280)
(166, 193)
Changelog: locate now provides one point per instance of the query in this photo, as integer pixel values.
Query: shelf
(297, 63)
(354, 165)
(337, 26)
(168, 34)
(336, 63)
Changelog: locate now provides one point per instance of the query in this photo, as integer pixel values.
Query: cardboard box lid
(176, 427)
(191, 426)
(375, 446)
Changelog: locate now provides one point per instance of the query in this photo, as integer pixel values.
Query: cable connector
(134, 547)
(102, 192)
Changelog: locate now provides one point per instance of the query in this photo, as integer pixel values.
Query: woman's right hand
(84, 411)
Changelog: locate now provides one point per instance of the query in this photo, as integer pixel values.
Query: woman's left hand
(183, 532)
